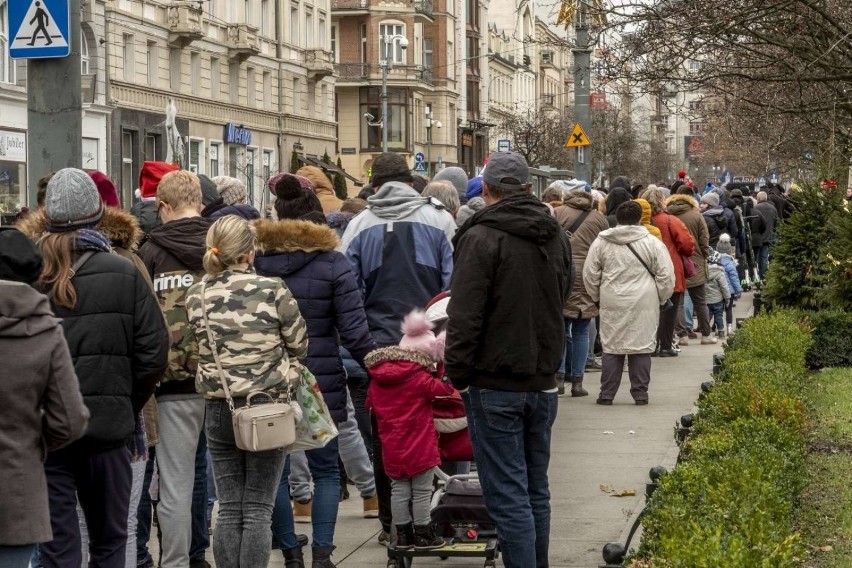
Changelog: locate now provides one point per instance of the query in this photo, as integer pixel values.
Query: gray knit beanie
(390, 166)
(72, 201)
(231, 190)
(456, 176)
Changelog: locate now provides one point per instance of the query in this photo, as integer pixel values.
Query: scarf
(90, 239)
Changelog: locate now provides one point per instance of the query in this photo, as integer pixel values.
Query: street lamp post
(386, 64)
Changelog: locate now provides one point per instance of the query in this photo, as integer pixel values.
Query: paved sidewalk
(592, 445)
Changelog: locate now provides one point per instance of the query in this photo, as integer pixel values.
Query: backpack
(716, 225)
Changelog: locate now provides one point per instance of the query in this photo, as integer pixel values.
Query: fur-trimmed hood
(678, 204)
(120, 227)
(294, 236)
(579, 200)
(395, 354)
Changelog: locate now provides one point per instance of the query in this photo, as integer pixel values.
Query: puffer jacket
(678, 241)
(717, 285)
(685, 208)
(405, 384)
(629, 296)
(303, 255)
(118, 340)
(124, 233)
(322, 187)
(258, 331)
(173, 256)
(42, 406)
(580, 304)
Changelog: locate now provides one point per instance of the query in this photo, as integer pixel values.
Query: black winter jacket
(119, 344)
(173, 256)
(513, 273)
(303, 255)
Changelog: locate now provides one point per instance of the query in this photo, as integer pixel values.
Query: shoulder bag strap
(636, 254)
(83, 259)
(576, 225)
(214, 348)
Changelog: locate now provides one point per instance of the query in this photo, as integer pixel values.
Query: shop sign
(348, 151)
(13, 146)
(237, 134)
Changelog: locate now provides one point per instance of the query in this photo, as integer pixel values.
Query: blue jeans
(717, 310)
(325, 471)
(687, 312)
(16, 556)
(200, 531)
(762, 257)
(511, 434)
(577, 347)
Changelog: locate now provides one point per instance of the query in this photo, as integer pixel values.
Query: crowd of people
(133, 336)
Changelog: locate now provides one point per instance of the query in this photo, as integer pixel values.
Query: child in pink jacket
(405, 381)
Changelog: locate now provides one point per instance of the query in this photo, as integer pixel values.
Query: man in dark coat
(767, 213)
(505, 338)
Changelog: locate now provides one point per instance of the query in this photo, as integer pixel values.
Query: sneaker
(709, 340)
(371, 507)
(668, 353)
(384, 538)
(642, 402)
(683, 341)
(730, 329)
(302, 511)
(426, 539)
(404, 537)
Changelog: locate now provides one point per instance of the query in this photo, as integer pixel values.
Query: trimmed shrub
(832, 342)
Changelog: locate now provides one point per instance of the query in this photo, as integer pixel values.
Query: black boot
(426, 539)
(560, 383)
(404, 536)
(322, 557)
(577, 388)
(293, 557)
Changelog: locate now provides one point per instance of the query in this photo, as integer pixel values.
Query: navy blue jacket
(302, 254)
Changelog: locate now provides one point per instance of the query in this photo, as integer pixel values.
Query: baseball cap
(507, 171)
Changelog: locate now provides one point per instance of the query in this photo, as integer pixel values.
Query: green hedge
(731, 499)
(832, 342)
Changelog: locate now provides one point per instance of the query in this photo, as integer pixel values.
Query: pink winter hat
(418, 336)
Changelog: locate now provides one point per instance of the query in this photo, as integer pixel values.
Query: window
(129, 58)
(695, 127)
(267, 90)
(215, 78)
(312, 98)
(334, 54)
(473, 54)
(267, 165)
(396, 121)
(321, 33)
(7, 65)
(451, 61)
(128, 180)
(251, 98)
(294, 24)
(472, 10)
(248, 13)
(152, 142)
(264, 18)
(196, 156)
(215, 149)
(234, 83)
(427, 53)
(309, 27)
(153, 65)
(386, 32)
(297, 97)
(364, 50)
(694, 66)
(174, 70)
(84, 54)
(195, 71)
(211, 7)
(694, 105)
(251, 158)
(473, 99)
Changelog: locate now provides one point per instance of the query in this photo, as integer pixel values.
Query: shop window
(396, 121)
(215, 150)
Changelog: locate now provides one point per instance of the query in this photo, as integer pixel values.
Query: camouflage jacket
(258, 330)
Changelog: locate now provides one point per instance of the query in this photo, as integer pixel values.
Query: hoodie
(173, 256)
(513, 273)
(647, 221)
(43, 409)
(467, 210)
(400, 252)
(614, 198)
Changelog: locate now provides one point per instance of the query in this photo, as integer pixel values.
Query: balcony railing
(423, 7)
(366, 72)
(350, 4)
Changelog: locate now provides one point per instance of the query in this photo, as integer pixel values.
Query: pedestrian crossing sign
(577, 138)
(40, 29)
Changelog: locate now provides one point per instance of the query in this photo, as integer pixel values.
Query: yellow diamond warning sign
(577, 138)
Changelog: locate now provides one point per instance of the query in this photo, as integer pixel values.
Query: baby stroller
(459, 515)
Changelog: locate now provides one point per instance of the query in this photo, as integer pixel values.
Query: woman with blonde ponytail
(118, 341)
(259, 335)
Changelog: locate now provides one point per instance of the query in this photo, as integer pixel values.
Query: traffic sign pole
(55, 109)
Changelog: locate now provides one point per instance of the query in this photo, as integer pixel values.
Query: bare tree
(539, 136)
